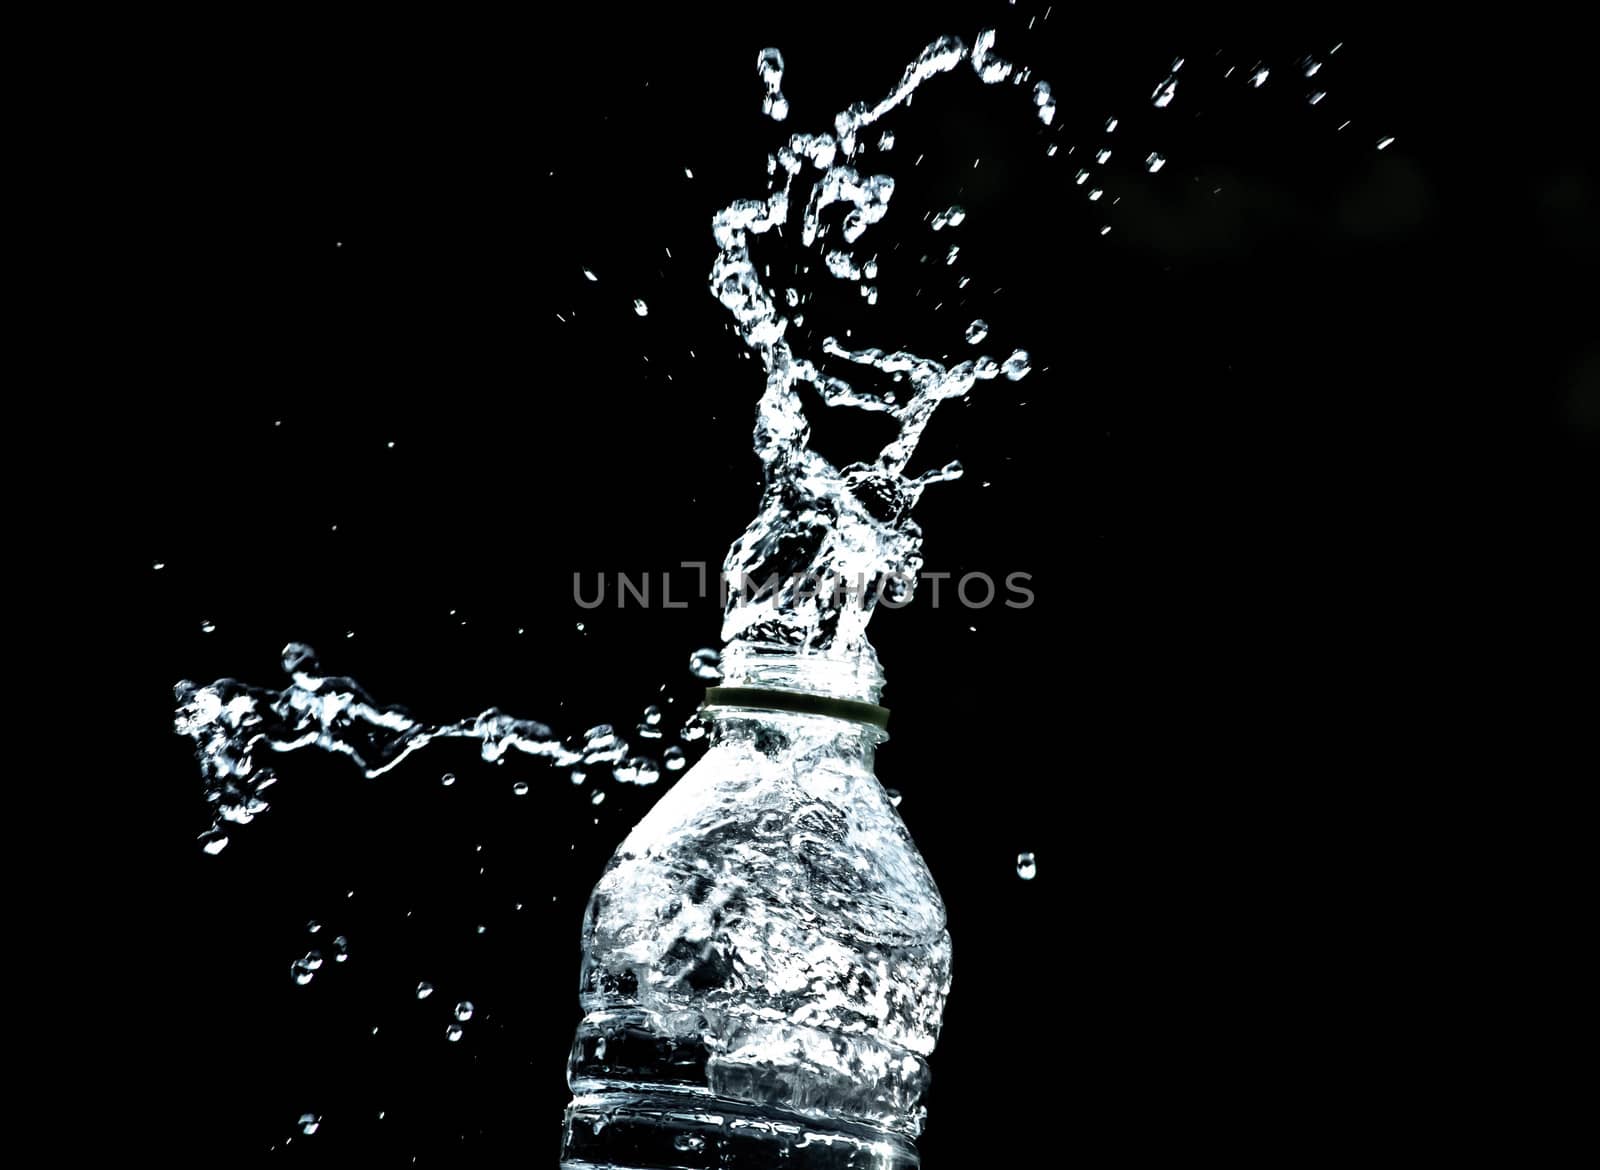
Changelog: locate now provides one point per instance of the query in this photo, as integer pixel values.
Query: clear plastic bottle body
(765, 965)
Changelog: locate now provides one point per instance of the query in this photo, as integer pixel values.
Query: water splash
(828, 543)
(234, 726)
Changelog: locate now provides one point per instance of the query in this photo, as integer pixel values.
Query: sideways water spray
(235, 726)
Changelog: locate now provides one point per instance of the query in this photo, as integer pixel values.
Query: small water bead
(894, 796)
(706, 665)
(1311, 67)
(636, 770)
(694, 728)
(590, 274)
(302, 970)
(1154, 162)
(870, 270)
(953, 216)
(298, 657)
(213, 842)
(577, 775)
(1164, 93)
(1383, 143)
(464, 1010)
(454, 1032)
(886, 140)
(520, 788)
(208, 627)
(977, 331)
(424, 990)
(1016, 366)
(950, 257)
(447, 779)
(1081, 178)
(313, 926)
(1103, 155)
(1111, 124)
(1259, 77)
(1027, 867)
(672, 759)
(1046, 103)
(342, 946)
(309, 1123)
(158, 565)
(598, 797)
(1094, 195)
(769, 65)
(641, 308)
(871, 293)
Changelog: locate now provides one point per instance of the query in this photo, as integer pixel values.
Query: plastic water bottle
(765, 959)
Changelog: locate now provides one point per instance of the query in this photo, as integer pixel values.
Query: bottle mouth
(852, 674)
(799, 702)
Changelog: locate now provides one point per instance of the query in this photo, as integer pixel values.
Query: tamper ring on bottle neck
(799, 702)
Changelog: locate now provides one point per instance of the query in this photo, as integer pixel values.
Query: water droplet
(342, 945)
(598, 797)
(636, 770)
(213, 841)
(641, 308)
(520, 788)
(1094, 195)
(1106, 231)
(297, 656)
(950, 257)
(672, 759)
(580, 627)
(894, 796)
(1312, 67)
(1154, 162)
(1315, 97)
(1016, 366)
(208, 627)
(302, 970)
(692, 1142)
(1259, 77)
(1081, 178)
(447, 779)
(1026, 866)
(313, 926)
(952, 216)
(706, 664)
(590, 274)
(454, 1032)
(1103, 155)
(694, 728)
(1111, 124)
(886, 140)
(577, 775)
(158, 565)
(1164, 93)
(483, 929)
(652, 716)
(977, 331)
(309, 1123)
(1052, 151)
(424, 990)
(1384, 142)
(464, 1010)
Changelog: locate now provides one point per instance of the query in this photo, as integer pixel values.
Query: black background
(1296, 371)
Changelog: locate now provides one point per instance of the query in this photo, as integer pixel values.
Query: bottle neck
(840, 688)
(851, 676)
